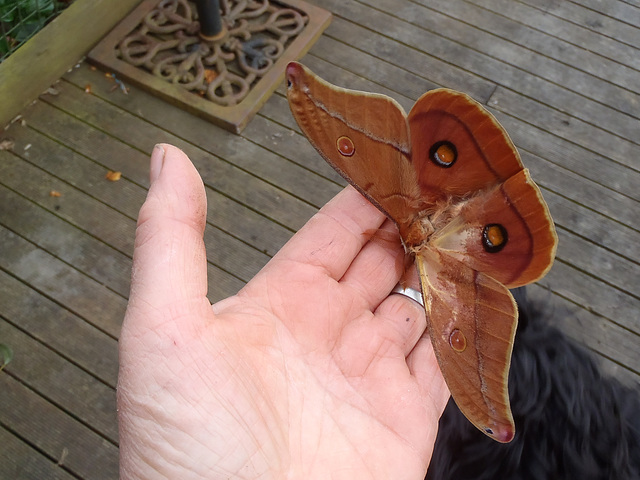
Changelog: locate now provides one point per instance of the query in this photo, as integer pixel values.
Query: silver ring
(411, 293)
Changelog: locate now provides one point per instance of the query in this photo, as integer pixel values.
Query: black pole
(211, 27)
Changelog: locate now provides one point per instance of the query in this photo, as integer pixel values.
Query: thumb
(169, 276)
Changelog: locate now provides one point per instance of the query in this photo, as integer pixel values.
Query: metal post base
(225, 79)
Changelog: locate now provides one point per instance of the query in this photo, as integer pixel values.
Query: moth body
(419, 231)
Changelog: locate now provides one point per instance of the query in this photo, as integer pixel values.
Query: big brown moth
(466, 209)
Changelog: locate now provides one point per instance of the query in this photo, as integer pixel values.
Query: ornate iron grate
(226, 79)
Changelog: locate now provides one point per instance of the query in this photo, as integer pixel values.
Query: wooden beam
(54, 50)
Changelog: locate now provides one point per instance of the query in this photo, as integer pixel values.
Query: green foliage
(21, 19)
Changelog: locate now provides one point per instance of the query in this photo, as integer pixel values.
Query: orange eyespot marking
(494, 237)
(458, 341)
(494, 234)
(443, 154)
(345, 146)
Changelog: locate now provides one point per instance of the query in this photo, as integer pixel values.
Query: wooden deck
(562, 76)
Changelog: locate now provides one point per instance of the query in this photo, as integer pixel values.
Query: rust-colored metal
(226, 79)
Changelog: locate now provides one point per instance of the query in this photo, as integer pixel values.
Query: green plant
(21, 19)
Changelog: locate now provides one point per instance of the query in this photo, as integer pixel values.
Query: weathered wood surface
(561, 76)
(56, 48)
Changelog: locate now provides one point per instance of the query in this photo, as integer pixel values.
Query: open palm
(311, 371)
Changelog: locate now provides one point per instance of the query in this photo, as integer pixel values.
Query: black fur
(572, 423)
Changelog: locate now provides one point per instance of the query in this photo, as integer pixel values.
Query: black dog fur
(572, 423)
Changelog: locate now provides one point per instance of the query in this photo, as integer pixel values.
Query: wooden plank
(622, 11)
(450, 39)
(220, 284)
(565, 30)
(598, 297)
(588, 330)
(78, 142)
(20, 460)
(295, 176)
(45, 372)
(575, 158)
(594, 260)
(229, 254)
(386, 44)
(494, 33)
(75, 447)
(228, 147)
(601, 336)
(24, 75)
(277, 110)
(344, 76)
(605, 338)
(103, 153)
(296, 147)
(556, 123)
(383, 75)
(594, 227)
(72, 205)
(62, 283)
(620, 372)
(238, 183)
(612, 24)
(576, 188)
(232, 256)
(59, 238)
(51, 324)
(245, 224)
(20, 178)
(579, 104)
(86, 173)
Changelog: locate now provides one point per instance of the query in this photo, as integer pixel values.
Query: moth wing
(363, 136)
(482, 154)
(506, 232)
(472, 321)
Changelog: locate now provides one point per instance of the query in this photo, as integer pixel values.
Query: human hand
(311, 371)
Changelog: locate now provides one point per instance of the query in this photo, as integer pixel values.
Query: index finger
(333, 237)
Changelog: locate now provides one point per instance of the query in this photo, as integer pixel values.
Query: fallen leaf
(113, 176)
(210, 75)
(63, 456)
(6, 355)
(14, 120)
(87, 88)
(7, 144)
(51, 91)
(55, 193)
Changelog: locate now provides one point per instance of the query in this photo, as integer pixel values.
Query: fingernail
(157, 160)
